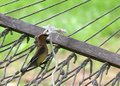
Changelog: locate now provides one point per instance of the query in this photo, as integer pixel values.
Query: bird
(40, 54)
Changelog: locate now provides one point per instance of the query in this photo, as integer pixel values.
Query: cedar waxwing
(40, 54)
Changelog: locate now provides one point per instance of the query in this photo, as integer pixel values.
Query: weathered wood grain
(65, 42)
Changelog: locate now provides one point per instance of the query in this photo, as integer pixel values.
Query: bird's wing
(39, 51)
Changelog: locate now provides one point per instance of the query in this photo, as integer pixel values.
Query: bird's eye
(46, 35)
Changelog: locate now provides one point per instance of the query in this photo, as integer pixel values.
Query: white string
(49, 30)
(56, 62)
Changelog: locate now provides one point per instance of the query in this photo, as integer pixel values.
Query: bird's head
(43, 36)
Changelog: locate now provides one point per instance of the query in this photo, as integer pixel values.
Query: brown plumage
(40, 54)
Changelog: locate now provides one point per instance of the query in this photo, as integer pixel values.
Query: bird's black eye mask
(46, 35)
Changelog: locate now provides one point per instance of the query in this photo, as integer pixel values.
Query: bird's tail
(23, 70)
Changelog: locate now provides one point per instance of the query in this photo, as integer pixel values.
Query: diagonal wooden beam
(64, 41)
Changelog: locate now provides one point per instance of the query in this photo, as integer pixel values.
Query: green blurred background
(70, 21)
